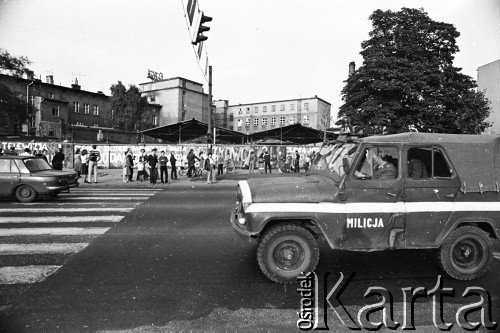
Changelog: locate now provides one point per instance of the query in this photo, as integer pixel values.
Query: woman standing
(126, 167)
(261, 163)
(85, 165)
(78, 162)
(211, 169)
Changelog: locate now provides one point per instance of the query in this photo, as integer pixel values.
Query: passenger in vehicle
(383, 169)
(417, 169)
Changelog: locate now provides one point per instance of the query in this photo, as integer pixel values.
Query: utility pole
(209, 130)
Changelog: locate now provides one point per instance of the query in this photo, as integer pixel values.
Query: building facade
(70, 113)
(488, 81)
(313, 112)
(180, 100)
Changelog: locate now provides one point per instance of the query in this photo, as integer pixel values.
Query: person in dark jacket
(296, 166)
(191, 157)
(267, 162)
(58, 160)
(162, 160)
(173, 172)
(153, 167)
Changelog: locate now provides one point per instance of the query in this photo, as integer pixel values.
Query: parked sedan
(29, 176)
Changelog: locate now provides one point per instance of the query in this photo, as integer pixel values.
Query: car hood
(307, 188)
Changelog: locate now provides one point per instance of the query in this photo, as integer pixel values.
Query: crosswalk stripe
(110, 193)
(25, 274)
(116, 190)
(91, 204)
(60, 219)
(56, 209)
(106, 198)
(51, 231)
(41, 248)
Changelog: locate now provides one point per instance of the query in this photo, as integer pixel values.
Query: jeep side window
(427, 162)
(378, 163)
(441, 168)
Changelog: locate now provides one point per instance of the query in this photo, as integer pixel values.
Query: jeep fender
(484, 223)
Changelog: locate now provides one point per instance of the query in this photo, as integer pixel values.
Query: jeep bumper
(240, 229)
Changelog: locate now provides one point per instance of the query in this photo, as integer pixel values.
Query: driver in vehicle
(383, 169)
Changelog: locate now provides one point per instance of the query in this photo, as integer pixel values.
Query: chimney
(75, 85)
(352, 68)
(49, 79)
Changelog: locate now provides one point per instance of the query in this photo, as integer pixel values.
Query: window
(76, 107)
(155, 120)
(248, 110)
(247, 122)
(152, 97)
(282, 120)
(292, 120)
(378, 163)
(51, 133)
(256, 109)
(306, 119)
(79, 123)
(273, 108)
(273, 121)
(55, 112)
(4, 166)
(231, 117)
(255, 121)
(292, 107)
(184, 105)
(50, 95)
(96, 110)
(240, 122)
(427, 162)
(239, 111)
(264, 121)
(282, 107)
(264, 108)
(306, 106)
(96, 125)
(32, 100)
(86, 108)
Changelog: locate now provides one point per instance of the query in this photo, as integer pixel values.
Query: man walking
(94, 157)
(153, 167)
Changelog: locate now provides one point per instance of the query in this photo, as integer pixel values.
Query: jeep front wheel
(467, 253)
(25, 193)
(285, 251)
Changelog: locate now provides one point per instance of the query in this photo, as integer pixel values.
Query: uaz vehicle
(403, 191)
(28, 176)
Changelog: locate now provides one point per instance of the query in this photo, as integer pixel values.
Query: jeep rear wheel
(285, 251)
(25, 193)
(467, 253)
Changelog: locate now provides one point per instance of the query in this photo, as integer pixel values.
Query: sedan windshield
(37, 164)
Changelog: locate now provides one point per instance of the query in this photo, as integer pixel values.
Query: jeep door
(372, 196)
(431, 186)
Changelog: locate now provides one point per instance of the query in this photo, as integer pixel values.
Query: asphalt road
(173, 262)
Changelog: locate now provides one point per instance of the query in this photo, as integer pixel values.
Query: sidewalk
(114, 178)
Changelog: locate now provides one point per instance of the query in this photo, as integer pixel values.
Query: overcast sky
(260, 50)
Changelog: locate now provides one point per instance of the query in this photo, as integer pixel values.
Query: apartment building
(488, 81)
(261, 116)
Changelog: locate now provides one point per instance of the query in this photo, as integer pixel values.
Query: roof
(476, 158)
(295, 134)
(192, 130)
(280, 101)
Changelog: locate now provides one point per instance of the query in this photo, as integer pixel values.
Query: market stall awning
(294, 134)
(194, 131)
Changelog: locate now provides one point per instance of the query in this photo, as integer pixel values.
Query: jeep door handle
(391, 194)
(451, 196)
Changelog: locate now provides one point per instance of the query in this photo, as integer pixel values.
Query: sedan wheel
(26, 193)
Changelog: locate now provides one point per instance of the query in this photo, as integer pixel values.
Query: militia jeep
(402, 191)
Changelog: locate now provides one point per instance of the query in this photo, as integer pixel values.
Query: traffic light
(201, 29)
(209, 138)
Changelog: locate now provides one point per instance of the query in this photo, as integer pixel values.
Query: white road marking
(60, 219)
(116, 190)
(81, 198)
(90, 194)
(41, 248)
(25, 274)
(55, 210)
(90, 204)
(51, 231)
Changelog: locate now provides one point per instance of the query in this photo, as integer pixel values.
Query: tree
(407, 79)
(14, 111)
(15, 66)
(128, 108)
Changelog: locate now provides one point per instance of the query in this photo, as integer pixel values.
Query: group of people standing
(263, 162)
(85, 163)
(149, 166)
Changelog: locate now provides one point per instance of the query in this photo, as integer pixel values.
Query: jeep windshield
(36, 164)
(329, 160)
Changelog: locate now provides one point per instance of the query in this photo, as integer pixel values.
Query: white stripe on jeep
(245, 191)
(373, 207)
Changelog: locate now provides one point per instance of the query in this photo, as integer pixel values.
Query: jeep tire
(466, 253)
(285, 251)
(25, 193)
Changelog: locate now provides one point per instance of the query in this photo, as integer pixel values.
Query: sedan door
(9, 176)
